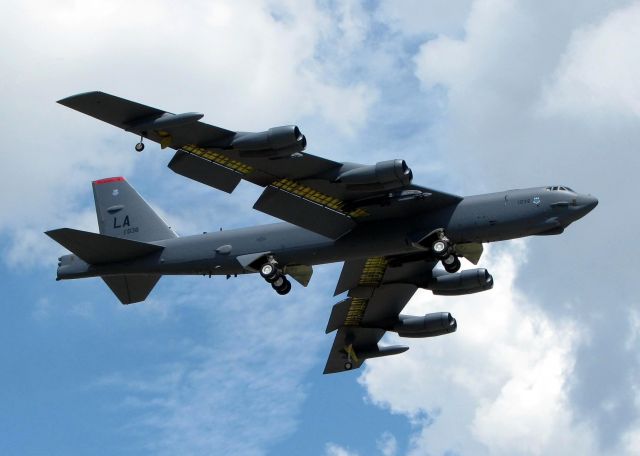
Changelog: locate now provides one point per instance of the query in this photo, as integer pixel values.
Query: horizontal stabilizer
(131, 288)
(97, 248)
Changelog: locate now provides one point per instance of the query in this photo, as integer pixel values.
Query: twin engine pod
(431, 325)
(461, 283)
(276, 141)
(383, 175)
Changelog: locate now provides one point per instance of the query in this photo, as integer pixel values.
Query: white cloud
(236, 389)
(247, 65)
(542, 92)
(333, 449)
(496, 386)
(387, 444)
(599, 74)
(420, 16)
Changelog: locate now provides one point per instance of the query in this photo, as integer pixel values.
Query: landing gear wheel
(348, 365)
(269, 272)
(139, 147)
(440, 248)
(451, 264)
(283, 288)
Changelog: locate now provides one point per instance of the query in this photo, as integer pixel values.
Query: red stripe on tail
(109, 179)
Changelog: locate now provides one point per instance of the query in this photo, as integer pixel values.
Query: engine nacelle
(431, 325)
(461, 283)
(389, 173)
(287, 138)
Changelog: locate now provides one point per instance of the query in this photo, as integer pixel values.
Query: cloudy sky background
(476, 95)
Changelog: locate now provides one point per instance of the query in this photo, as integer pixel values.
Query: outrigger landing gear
(272, 274)
(140, 145)
(351, 356)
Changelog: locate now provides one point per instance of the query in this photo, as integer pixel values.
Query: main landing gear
(443, 250)
(272, 274)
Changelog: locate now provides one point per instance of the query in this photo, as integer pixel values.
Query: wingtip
(67, 101)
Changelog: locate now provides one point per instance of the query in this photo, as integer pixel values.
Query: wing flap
(205, 171)
(304, 213)
(350, 275)
(338, 315)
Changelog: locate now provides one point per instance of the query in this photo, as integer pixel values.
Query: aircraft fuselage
(481, 218)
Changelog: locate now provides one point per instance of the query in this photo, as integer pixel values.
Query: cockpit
(556, 188)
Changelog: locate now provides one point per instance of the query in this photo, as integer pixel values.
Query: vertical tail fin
(123, 213)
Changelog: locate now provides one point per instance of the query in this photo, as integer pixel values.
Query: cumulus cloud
(333, 449)
(599, 72)
(236, 390)
(415, 17)
(547, 356)
(540, 92)
(247, 65)
(387, 444)
(496, 386)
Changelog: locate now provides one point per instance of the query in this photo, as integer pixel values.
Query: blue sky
(477, 96)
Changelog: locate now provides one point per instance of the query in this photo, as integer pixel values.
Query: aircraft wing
(379, 288)
(312, 192)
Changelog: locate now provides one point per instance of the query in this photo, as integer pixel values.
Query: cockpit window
(559, 187)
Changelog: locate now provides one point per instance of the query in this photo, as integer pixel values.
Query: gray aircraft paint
(482, 218)
(389, 233)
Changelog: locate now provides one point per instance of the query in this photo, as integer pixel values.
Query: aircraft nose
(588, 202)
(591, 202)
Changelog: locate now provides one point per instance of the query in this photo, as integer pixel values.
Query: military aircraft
(390, 233)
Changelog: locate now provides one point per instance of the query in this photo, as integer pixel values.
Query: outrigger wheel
(140, 146)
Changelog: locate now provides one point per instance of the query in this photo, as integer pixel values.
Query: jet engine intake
(277, 138)
(461, 283)
(388, 174)
(431, 325)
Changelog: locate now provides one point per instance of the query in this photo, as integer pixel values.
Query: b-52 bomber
(391, 234)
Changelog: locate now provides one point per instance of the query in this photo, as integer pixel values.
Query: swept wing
(315, 193)
(379, 288)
